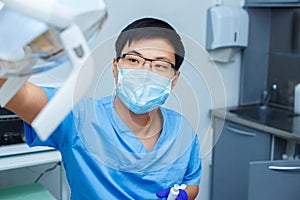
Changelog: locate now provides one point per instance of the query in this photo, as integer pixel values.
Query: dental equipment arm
(71, 23)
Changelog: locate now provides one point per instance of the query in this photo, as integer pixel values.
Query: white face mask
(141, 90)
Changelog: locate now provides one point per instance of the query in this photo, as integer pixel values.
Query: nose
(147, 65)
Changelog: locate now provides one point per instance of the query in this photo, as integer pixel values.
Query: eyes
(132, 61)
(136, 61)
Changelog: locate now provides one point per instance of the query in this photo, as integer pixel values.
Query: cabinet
(249, 164)
(235, 148)
(272, 56)
(28, 168)
(272, 3)
(274, 180)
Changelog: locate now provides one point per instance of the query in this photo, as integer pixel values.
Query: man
(125, 146)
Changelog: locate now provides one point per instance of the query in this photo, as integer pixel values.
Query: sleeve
(194, 170)
(58, 138)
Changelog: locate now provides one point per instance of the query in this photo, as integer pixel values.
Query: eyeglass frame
(146, 59)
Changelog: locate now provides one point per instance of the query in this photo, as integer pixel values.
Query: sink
(263, 113)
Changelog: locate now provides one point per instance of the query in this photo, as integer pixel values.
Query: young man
(125, 146)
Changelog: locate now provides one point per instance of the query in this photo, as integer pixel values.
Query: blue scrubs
(105, 160)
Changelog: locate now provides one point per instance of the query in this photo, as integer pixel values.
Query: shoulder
(174, 116)
(105, 102)
(177, 125)
(50, 91)
(170, 113)
(92, 106)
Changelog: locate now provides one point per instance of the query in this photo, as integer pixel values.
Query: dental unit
(38, 36)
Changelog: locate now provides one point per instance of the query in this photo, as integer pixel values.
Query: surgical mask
(141, 90)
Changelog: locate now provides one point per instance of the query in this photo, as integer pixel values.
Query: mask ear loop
(119, 78)
(119, 73)
(173, 78)
(171, 82)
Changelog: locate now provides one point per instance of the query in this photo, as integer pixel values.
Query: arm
(27, 102)
(192, 191)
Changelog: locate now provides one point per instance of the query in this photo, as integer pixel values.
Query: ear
(174, 82)
(115, 69)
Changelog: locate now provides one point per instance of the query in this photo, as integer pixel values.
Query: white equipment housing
(68, 25)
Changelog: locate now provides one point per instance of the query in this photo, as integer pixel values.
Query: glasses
(134, 61)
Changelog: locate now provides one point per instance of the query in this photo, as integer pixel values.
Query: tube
(174, 191)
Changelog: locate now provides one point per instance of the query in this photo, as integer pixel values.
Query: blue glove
(165, 193)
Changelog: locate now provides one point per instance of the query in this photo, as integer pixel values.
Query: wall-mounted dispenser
(227, 30)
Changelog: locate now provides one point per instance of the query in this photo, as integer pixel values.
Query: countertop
(29, 159)
(287, 128)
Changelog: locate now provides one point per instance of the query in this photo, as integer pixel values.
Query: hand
(165, 193)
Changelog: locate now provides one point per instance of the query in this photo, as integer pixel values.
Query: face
(151, 49)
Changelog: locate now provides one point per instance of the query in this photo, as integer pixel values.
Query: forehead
(151, 48)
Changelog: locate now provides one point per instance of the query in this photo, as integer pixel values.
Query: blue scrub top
(103, 159)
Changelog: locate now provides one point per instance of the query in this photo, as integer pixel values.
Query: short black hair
(150, 28)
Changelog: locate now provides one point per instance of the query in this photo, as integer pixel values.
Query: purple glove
(165, 193)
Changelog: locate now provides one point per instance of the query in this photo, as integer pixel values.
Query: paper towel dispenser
(227, 26)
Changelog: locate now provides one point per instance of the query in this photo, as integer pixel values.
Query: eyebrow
(162, 58)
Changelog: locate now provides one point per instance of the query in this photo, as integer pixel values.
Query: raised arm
(27, 102)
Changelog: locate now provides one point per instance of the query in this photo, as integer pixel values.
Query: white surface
(229, 26)
(173, 194)
(60, 13)
(50, 11)
(68, 95)
(31, 159)
(14, 149)
(224, 55)
(10, 88)
(17, 30)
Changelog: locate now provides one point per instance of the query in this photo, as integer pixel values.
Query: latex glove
(165, 193)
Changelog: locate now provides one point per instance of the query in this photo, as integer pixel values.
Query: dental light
(39, 35)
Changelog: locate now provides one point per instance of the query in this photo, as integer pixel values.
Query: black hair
(150, 28)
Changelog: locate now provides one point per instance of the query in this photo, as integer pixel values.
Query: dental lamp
(39, 35)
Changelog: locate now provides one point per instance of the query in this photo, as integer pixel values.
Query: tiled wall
(284, 55)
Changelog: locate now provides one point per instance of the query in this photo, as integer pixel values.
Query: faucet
(267, 94)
